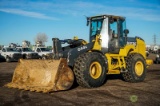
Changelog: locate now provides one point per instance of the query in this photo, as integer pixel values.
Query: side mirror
(126, 31)
(88, 20)
(111, 20)
(38, 50)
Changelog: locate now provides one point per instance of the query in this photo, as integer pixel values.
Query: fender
(74, 53)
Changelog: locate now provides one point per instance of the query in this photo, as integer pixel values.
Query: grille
(17, 56)
(34, 55)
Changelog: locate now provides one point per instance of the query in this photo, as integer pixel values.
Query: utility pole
(154, 40)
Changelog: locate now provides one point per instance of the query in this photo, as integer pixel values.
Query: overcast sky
(24, 19)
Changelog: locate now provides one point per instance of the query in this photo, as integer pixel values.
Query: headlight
(29, 54)
(157, 56)
(11, 55)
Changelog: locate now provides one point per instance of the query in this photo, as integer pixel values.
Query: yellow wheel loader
(109, 51)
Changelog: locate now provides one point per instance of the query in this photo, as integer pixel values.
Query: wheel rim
(43, 57)
(139, 68)
(7, 59)
(95, 70)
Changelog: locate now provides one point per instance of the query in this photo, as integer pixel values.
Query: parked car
(147, 53)
(27, 53)
(157, 60)
(10, 54)
(44, 52)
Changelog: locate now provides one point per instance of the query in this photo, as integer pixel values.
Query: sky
(23, 19)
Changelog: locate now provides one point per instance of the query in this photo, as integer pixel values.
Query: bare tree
(41, 38)
(1, 46)
(26, 43)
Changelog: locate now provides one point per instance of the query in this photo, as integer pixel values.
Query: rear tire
(157, 61)
(90, 70)
(136, 68)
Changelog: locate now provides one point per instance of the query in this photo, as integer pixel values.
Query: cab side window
(3, 50)
(38, 50)
(19, 50)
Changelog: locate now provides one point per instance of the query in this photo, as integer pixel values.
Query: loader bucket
(42, 75)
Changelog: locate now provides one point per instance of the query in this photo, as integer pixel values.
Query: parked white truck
(44, 52)
(27, 53)
(10, 54)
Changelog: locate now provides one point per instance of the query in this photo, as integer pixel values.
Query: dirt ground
(114, 92)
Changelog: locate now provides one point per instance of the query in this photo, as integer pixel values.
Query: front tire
(44, 57)
(90, 70)
(136, 68)
(157, 62)
(8, 59)
(24, 56)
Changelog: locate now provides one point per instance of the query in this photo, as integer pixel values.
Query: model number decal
(132, 43)
(82, 48)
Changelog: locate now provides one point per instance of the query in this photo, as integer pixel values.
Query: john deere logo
(133, 98)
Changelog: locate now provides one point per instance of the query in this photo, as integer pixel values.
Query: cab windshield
(26, 50)
(96, 27)
(11, 49)
(116, 28)
(117, 25)
(45, 49)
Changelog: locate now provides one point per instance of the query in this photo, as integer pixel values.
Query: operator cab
(112, 31)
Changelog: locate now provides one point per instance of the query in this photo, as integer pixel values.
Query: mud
(115, 92)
